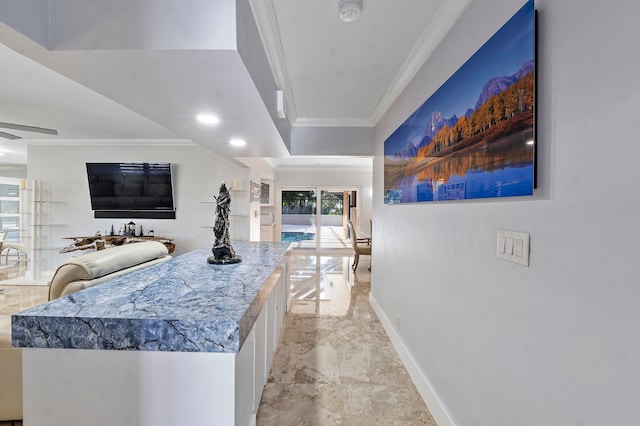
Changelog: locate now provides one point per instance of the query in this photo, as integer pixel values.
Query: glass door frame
(318, 218)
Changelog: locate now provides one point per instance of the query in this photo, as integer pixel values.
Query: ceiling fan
(23, 128)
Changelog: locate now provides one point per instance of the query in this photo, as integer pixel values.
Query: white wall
(197, 174)
(332, 178)
(556, 343)
(308, 140)
(259, 171)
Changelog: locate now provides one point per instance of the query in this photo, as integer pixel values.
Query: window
(332, 203)
(299, 202)
(10, 210)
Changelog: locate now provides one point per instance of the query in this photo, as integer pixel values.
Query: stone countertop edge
(183, 305)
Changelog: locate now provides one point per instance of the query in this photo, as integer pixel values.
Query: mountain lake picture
(474, 137)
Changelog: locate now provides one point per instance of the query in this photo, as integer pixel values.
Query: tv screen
(131, 190)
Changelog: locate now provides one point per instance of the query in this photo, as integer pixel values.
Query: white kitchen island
(179, 343)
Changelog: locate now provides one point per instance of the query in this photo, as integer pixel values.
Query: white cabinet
(266, 232)
(256, 355)
(260, 367)
(271, 326)
(244, 382)
(274, 320)
(249, 371)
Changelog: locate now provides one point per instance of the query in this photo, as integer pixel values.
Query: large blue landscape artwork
(474, 137)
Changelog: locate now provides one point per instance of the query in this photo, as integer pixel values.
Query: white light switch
(509, 247)
(517, 248)
(513, 246)
(502, 242)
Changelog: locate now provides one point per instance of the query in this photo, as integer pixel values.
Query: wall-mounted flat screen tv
(131, 190)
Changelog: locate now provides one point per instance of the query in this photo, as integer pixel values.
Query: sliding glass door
(316, 217)
(299, 217)
(332, 235)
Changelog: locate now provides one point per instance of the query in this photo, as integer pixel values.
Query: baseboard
(439, 413)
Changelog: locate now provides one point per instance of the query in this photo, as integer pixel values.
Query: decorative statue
(223, 252)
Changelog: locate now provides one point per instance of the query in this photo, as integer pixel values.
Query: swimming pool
(292, 237)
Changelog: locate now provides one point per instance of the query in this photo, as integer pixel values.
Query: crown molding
(446, 16)
(323, 168)
(267, 23)
(118, 142)
(12, 167)
(333, 122)
(322, 163)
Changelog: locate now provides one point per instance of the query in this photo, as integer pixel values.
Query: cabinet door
(280, 301)
(266, 233)
(260, 361)
(245, 380)
(271, 331)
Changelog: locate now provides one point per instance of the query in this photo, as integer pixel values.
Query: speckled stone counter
(184, 305)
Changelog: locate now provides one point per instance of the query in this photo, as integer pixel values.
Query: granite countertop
(184, 305)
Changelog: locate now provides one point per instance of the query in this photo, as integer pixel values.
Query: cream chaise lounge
(99, 266)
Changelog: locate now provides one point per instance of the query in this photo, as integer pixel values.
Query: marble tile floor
(16, 298)
(334, 364)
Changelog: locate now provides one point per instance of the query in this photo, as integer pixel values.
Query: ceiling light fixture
(349, 10)
(207, 119)
(237, 142)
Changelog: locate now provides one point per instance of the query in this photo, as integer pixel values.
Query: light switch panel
(513, 246)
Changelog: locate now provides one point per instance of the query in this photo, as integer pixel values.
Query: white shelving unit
(267, 210)
(37, 225)
(239, 216)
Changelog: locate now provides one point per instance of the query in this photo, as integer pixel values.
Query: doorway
(316, 217)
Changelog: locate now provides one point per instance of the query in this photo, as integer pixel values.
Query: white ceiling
(98, 84)
(33, 95)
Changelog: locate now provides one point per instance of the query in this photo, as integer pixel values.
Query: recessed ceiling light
(207, 119)
(238, 142)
